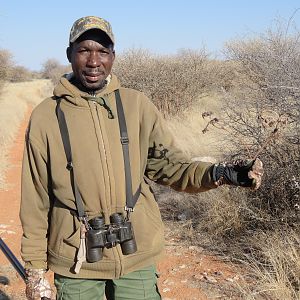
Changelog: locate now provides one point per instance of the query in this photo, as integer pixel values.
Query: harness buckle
(69, 166)
(124, 140)
(129, 209)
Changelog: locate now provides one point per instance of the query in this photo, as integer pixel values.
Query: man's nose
(94, 59)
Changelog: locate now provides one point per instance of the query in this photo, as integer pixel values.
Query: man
(87, 212)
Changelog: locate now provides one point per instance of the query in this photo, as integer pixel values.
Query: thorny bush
(173, 82)
(261, 119)
(263, 115)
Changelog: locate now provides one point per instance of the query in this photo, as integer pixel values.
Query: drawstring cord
(101, 101)
(81, 254)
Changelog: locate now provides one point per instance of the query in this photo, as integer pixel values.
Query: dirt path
(10, 226)
(186, 273)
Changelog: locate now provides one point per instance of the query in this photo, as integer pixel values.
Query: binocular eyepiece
(119, 231)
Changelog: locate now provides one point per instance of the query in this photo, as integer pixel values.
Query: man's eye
(104, 52)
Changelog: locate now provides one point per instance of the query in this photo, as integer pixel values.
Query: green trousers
(137, 285)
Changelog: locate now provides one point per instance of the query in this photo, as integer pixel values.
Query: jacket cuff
(36, 264)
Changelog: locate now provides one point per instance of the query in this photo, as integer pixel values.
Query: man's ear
(69, 51)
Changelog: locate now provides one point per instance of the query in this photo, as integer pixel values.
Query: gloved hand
(246, 173)
(37, 286)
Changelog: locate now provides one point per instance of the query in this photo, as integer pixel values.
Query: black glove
(246, 173)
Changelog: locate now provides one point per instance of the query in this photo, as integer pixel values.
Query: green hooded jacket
(51, 229)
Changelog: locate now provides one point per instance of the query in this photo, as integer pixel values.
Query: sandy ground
(187, 272)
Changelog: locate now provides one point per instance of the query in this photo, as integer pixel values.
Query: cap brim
(74, 38)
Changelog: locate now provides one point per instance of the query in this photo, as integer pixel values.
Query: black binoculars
(119, 231)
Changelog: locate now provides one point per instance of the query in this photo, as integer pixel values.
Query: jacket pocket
(64, 237)
(147, 225)
(74, 239)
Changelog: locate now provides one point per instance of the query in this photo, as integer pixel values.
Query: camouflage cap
(86, 23)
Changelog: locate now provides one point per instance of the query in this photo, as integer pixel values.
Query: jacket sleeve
(35, 205)
(168, 165)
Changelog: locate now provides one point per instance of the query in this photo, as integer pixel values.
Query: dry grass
(15, 100)
(275, 274)
(187, 129)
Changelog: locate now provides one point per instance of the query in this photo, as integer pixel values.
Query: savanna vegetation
(244, 106)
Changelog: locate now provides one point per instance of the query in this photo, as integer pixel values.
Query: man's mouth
(93, 76)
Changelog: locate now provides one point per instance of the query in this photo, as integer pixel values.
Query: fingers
(256, 173)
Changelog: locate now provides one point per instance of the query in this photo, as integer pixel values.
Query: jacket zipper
(93, 94)
(119, 263)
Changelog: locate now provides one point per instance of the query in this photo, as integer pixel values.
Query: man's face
(91, 57)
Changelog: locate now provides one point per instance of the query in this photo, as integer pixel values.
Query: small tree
(20, 73)
(53, 70)
(6, 64)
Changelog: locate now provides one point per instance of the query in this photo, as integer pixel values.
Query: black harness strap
(67, 147)
(130, 198)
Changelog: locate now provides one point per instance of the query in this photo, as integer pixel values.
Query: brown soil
(186, 272)
(10, 226)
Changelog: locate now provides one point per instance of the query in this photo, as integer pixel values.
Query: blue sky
(34, 31)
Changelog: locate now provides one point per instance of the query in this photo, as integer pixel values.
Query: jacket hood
(67, 90)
